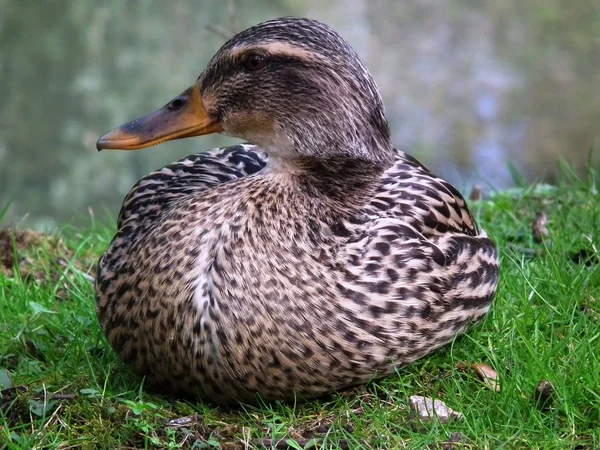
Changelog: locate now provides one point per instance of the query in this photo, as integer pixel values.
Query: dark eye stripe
(225, 68)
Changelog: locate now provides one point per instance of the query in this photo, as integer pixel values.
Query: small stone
(427, 409)
(543, 394)
(323, 428)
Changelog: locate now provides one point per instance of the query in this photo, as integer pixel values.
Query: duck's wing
(431, 205)
(421, 291)
(155, 193)
(426, 268)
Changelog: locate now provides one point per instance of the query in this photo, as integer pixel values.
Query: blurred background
(471, 87)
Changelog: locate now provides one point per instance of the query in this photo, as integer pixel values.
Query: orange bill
(182, 117)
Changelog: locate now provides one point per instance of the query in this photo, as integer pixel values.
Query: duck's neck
(343, 184)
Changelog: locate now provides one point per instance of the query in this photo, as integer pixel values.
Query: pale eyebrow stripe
(278, 48)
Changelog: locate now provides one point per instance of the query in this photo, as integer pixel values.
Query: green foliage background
(72, 70)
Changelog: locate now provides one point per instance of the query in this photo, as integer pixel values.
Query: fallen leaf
(427, 409)
(539, 227)
(488, 375)
(185, 421)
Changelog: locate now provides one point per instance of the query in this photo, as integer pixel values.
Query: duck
(312, 258)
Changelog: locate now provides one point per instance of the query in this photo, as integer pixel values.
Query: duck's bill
(183, 117)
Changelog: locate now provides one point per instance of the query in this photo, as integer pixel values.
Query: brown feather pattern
(226, 282)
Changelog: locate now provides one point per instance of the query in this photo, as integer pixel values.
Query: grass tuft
(63, 387)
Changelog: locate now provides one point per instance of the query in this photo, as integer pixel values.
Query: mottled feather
(208, 295)
(334, 260)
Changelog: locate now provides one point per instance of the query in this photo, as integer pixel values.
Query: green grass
(65, 388)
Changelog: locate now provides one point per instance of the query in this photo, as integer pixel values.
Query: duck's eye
(254, 61)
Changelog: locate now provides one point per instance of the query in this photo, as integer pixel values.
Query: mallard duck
(313, 258)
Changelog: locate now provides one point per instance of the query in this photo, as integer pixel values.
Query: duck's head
(292, 86)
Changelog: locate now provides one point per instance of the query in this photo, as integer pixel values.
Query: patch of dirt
(192, 431)
(37, 257)
(12, 407)
(585, 256)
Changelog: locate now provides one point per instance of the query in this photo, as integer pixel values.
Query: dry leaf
(539, 227)
(488, 375)
(427, 409)
(185, 421)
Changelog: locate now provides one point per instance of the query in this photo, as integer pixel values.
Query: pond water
(471, 87)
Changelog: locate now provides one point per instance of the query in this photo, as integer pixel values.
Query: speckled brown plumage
(292, 267)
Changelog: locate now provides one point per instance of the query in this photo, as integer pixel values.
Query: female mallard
(316, 258)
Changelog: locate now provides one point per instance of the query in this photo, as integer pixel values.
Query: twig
(219, 31)
(62, 396)
(233, 22)
(234, 25)
(23, 219)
